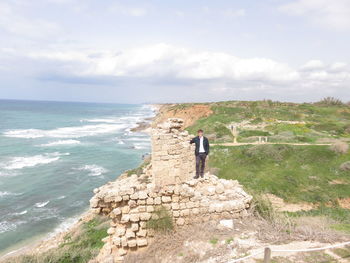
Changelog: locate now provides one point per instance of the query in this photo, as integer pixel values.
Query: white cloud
(128, 10)
(16, 24)
(217, 73)
(332, 14)
(235, 13)
(313, 64)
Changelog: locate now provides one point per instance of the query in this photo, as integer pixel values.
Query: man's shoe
(202, 175)
(196, 177)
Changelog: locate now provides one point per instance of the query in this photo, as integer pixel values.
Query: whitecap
(20, 213)
(5, 193)
(66, 132)
(93, 169)
(6, 226)
(41, 204)
(61, 197)
(102, 120)
(61, 142)
(31, 161)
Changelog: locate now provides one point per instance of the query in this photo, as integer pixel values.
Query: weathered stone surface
(132, 200)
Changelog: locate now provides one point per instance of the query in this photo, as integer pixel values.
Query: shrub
(340, 147)
(161, 220)
(345, 166)
(330, 101)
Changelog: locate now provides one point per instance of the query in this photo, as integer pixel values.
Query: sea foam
(61, 142)
(93, 169)
(66, 132)
(31, 161)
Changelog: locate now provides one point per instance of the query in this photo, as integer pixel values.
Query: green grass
(294, 173)
(78, 247)
(213, 241)
(162, 222)
(321, 121)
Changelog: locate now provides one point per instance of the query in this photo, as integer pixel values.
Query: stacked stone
(172, 155)
(130, 203)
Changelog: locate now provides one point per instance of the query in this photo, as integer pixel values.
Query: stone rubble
(167, 183)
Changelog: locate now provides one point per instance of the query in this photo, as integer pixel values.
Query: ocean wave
(6, 226)
(66, 132)
(61, 142)
(8, 174)
(61, 197)
(93, 169)
(41, 204)
(31, 161)
(102, 120)
(5, 193)
(20, 213)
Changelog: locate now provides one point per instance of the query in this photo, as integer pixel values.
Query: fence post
(267, 255)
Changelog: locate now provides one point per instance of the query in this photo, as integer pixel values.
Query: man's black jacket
(196, 140)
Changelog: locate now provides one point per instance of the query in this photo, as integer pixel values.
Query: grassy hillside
(295, 173)
(281, 122)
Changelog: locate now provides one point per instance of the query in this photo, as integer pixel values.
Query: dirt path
(257, 143)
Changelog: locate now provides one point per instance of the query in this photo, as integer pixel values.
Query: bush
(340, 147)
(330, 101)
(161, 220)
(345, 166)
(249, 133)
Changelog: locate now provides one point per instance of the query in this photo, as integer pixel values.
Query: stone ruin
(130, 201)
(172, 154)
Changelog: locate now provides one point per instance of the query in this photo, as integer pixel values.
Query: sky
(174, 51)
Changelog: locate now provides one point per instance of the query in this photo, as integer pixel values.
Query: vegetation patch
(79, 246)
(161, 220)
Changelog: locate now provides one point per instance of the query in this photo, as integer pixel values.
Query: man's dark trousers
(200, 164)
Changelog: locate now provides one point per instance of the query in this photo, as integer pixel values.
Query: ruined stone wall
(173, 158)
(166, 183)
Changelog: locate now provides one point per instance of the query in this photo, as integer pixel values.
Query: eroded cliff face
(130, 202)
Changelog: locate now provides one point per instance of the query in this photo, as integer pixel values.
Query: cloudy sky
(174, 51)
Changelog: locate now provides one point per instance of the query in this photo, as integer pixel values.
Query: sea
(52, 156)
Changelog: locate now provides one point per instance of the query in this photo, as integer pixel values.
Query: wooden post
(267, 255)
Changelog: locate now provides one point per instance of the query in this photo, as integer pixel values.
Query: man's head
(200, 133)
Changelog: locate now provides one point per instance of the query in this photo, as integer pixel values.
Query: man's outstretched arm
(192, 140)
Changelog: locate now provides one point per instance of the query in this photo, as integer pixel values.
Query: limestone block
(185, 212)
(134, 217)
(125, 218)
(176, 213)
(126, 197)
(141, 242)
(166, 199)
(134, 196)
(111, 231)
(120, 231)
(116, 241)
(150, 201)
(145, 216)
(122, 251)
(134, 227)
(129, 234)
(175, 206)
(94, 202)
(125, 209)
(157, 200)
(132, 243)
(123, 241)
(149, 209)
(141, 202)
(132, 203)
(141, 233)
(115, 212)
(219, 189)
(143, 195)
(180, 221)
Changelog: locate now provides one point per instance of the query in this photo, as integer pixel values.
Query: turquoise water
(53, 154)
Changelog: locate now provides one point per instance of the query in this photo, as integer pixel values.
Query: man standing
(201, 152)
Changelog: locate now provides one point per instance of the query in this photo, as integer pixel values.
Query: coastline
(44, 242)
